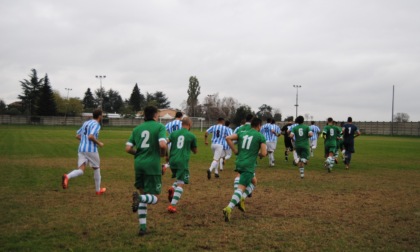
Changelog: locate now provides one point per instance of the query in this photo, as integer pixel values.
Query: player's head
(300, 119)
(227, 123)
(186, 122)
(312, 122)
(220, 120)
(268, 120)
(330, 120)
(273, 121)
(97, 114)
(249, 117)
(256, 123)
(178, 114)
(242, 121)
(349, 119)
(150, 112)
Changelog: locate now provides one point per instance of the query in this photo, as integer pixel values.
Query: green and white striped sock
(236, 197)
(148, 199)
(142, 212)
(177, 195)
(236, 183)
(249, 189)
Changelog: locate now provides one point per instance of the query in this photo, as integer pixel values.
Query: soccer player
(314, 139)
(251, 144)
(183, 143)
(266, 130)
(301, 133)
(220, 132)
(292, 139)
(350, 131)
(330, 133)
(88, 152)
(227, 151)
(170, 127)
(148, 144)
(287, 140)
(275, 129)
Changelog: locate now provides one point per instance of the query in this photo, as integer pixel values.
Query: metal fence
(369, 128)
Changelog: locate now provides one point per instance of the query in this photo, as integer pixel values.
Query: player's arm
(263, 150)
(79, 137)
(129, 148)
(310, 134)
(205, 138)
(357, 133)
(92, 138)
(230, 141)
(163, 146)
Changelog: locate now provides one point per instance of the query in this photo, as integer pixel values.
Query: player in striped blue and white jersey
(275, 129)
(227, 151)
(176, 124)
(88, 151)
(219, 133)
(266, 130)
(314, 139)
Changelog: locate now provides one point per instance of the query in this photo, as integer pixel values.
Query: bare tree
(401, 117)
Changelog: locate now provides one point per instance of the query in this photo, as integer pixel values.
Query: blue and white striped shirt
(276, 129)
(90, 127)
(316, 130)
(266, 131)
(225, 145)
(220, 132)
(174, 125)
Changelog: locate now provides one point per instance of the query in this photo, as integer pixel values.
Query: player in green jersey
(183, 142)
(251, 144)
(148, 144)
(301, 133)
(330, 133)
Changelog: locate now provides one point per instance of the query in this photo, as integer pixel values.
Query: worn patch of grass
(373, 206)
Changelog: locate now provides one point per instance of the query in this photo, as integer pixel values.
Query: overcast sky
(346, 55)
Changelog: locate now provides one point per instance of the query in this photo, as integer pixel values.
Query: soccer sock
(221, 164)
(249, 189)
(213, 165)
(174, 185)
(142, 212)
(295, 156)
(236, 197)
(97, 177)
(236, 183)
(148, 199)
(177, 195)
(348, 158)
(75, 173)
(302, 170)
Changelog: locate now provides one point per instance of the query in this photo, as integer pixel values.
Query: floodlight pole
(297, 99)
(67, 107)
(100, 77)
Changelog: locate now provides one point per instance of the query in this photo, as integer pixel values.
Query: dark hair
(178, 114)
(249, 117)
(149, 112)
(329, 119)
(96, 113)
(268, 120)
(313, 122)
(256, 122)
(220, 119)
(349, 119)
(227, 123)
(273, 121)
(300, 119)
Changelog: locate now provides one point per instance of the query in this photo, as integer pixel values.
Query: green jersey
(249, 143)
(145, 137)
(182, 142)
(301, 132)
(331, 132)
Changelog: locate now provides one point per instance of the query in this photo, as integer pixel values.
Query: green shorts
(303, 153)
(149, 183)
(329, 149)
(245, 178)
(181, 174)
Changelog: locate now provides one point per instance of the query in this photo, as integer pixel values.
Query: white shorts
(227, 153)
(89, 158)
(271, 146)
(314, 143)
(217, 151)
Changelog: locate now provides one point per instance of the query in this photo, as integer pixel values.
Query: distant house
(168, 113)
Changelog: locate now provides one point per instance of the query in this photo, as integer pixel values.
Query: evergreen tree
(46, 103)
(158, 99)
(193, 93)
(3, 107)
(30, 95)
(241, 114)
(113, 102)
(136, 99)
(88, 101)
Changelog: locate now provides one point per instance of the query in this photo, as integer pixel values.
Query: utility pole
(297, 98)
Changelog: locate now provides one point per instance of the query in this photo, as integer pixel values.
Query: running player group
(149, 142)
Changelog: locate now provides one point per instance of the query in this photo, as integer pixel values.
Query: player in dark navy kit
(350, 131)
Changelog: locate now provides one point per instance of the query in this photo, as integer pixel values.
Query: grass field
(375, 206)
